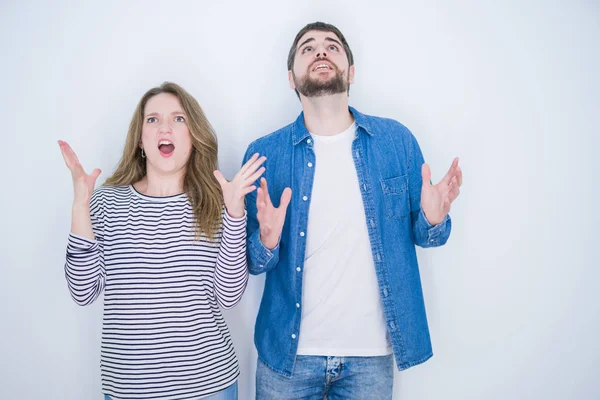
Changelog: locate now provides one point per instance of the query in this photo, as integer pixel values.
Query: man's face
(320, 66)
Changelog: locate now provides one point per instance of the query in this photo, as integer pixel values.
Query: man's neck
(327, 115)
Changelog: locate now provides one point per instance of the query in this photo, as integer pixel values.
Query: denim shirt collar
(299, 131)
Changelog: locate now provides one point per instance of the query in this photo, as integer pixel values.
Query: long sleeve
(164, 290)
(231, 274)
(260, 259)
(424, 234)
(84, 267)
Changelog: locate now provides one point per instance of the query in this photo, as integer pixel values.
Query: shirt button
(308, 141)
(392, 325)
(298, 269)
(293, 336)
(309, 165)
(384, 292)
(297, 305)
(372, 223)
(305, 198)
(301, 233)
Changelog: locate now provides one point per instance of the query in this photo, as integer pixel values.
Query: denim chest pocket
(395, 197)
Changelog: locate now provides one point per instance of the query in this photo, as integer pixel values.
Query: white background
(512, 88)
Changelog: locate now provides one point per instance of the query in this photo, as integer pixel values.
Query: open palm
(83, 184)
(437, 199)
(271, 218)
(234, 191)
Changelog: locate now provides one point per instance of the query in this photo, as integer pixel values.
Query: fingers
(95, 174)
(253, 167)
(454, 189)
(451, 172)
(286, 197)
(426, 174)
(63, 151)
(248, 163)
(265, 190)
(220, 178)
(454, 163)
(68, 154)
(253, 178)
(72, 156)
(249, 189)
(71, 159)
(261, 205)
(246, 176)
(459, 175)
(263, 200)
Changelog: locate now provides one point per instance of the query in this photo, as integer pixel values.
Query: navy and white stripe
(163, 334)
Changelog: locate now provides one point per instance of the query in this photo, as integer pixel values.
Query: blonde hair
(200, 184)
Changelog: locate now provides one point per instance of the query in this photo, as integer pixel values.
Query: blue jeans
(332, 378)
(230, 393)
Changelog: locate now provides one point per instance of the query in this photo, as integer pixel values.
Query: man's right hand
(270, 218)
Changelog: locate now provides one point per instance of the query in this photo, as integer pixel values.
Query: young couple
(330, 207)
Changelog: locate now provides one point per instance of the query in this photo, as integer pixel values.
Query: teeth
(321, 66)
(164, 142)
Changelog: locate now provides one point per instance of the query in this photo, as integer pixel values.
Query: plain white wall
(510, 87)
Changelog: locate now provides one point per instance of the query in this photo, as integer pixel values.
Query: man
(342, 292)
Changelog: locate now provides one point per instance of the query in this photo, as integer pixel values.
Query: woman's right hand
(83, 184)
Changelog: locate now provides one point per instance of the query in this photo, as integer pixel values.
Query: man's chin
(319, 89)
(321, 92)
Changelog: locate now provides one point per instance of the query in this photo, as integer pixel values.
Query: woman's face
(165, 138)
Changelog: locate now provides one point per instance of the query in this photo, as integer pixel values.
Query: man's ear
(291, 80)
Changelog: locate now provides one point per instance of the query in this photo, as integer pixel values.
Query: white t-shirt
(342, 313)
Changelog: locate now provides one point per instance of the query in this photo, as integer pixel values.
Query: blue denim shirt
(388, 163)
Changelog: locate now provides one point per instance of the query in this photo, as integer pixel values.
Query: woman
(157, 239)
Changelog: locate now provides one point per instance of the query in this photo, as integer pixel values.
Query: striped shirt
(163, 334)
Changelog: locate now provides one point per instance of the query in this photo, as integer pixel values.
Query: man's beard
(315, 88)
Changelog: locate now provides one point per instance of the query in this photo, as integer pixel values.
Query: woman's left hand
(234, 191)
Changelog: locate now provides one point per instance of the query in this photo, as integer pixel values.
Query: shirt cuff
(433, 231)
(80, 242)
(262, 255)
